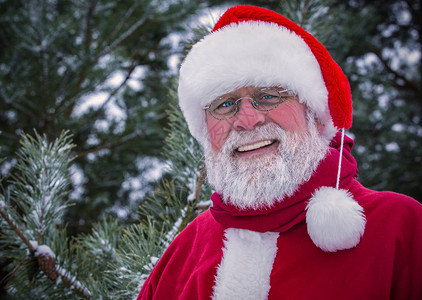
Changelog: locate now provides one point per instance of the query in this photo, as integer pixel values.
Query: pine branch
(138, 252)
(191, 207)
(138, 24)
(88, 31)
(200, 182)
(114, 92)
(110, 145)
(305, 13)
(73, 284)
(47, 263)
(407, 83)
(16, 229)
(118, 27)
(37, 191)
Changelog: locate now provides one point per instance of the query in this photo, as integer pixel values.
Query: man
(289, 220)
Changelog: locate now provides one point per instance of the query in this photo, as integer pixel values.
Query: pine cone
(48, 265)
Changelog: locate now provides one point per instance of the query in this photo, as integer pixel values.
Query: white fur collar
(244, 272)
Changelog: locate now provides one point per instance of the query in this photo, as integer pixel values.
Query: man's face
(257, 158)
(290, 115)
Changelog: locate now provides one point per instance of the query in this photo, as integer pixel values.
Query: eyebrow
(278, 88)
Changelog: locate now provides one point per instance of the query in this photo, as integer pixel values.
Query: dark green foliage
(30, 215)
(112, 261)
(178, 199)
(381, 54)
(56, 55)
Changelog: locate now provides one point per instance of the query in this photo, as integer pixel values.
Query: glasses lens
(223, 107)
(267, 99)
(264, 99)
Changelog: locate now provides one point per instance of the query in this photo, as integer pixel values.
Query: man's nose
(247, 118)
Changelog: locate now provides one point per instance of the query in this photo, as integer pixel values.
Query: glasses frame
(254, 102)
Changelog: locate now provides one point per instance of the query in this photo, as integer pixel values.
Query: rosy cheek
(290, 117)
(219, 130)
(287, 122)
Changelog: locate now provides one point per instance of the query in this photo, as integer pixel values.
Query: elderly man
(289, 220)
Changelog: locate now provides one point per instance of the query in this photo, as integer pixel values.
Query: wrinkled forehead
(253, 89)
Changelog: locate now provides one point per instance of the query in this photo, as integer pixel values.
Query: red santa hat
(253, 46)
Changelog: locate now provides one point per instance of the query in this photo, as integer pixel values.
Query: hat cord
(339, 161)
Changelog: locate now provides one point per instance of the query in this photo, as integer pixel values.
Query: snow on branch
(46, 261)
(36, 202)
(71, 282)
(191, 208)
(42, 181)
(15, 228)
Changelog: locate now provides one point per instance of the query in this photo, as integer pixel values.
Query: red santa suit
(230, 254)
(333, 238)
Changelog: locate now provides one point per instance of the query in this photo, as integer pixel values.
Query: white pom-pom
(334, 219)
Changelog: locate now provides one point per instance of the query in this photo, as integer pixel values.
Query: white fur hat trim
(249, 54)
(334, 219)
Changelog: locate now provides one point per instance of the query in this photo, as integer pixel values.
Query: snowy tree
(31, 210)
(111, 262)
(99, 69)
(380, 50)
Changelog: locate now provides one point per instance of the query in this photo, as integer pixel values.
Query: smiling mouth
(255, 146)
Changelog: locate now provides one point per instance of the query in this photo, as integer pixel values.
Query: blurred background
(103, 69)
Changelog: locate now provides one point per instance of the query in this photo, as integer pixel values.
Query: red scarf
(291, 211)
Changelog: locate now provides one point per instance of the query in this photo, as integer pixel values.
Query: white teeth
(254, 146)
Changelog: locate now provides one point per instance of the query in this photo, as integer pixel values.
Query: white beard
(261, 181)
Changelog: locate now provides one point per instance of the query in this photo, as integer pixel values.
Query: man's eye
(267, 98)
(227, 103)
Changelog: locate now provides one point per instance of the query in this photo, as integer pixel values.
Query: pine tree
(55, 55)
(111, 262)
(31, 210)
(382, 45)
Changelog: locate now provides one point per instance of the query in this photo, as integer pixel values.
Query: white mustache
(237, 139)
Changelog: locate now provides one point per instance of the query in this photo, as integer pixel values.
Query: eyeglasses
(266, 99)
